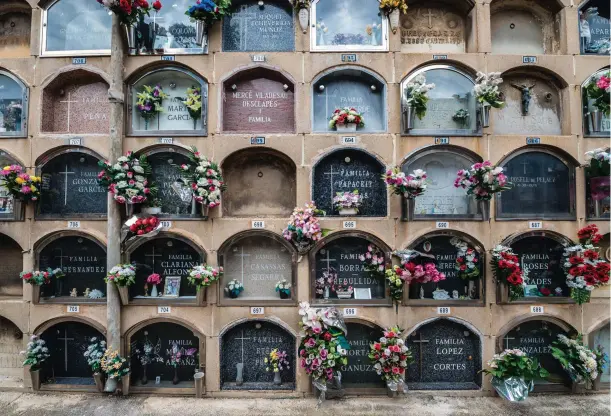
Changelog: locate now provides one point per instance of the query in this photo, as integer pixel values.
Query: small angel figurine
(146, 289)
(87, 292)
(73, 293)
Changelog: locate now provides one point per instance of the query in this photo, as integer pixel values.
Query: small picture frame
(172, 287)
(362, 293)
(531, 291)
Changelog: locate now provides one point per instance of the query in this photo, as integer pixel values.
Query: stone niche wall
(438, 26)
(76, 102)
(10, 267)
(15, 27)
(11, 371)
(260, 182)
(545, 111)
(525, 27)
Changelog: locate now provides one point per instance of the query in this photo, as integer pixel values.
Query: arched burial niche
(82, 258)
(598, 195)
(259, 182)
(67, 341)
(348, 26)
(169, 31)
(589, 129)
(167, 349)
(13, 106)
(175, 197)
(69, 184)
(15, 22)
(521, 28)
(601, 338)
(442, 199)
(540, 254)
(442, 249)
(543, 185)
(334, 262)
(258, 259)
(248, 343)
(176, 118)
(76, 102)
(11, 343)
(258, 100)
(594, 33)
(171, 256)
(453, 92)
(10, 208)
(534, 336)
(71, 27)
(359, 372)
(354, 87)
(12, 265)
(447, 356)
(347, 170)
(438, 26)
(534, 103)
(255, 26)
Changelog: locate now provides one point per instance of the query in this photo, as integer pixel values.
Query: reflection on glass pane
(603, 338)
(11, 105)
(594, 33)
(453, 92)
(174, 196)
(343, 22)
(174, 115)
(541, 186)
(350, 88)
(441, 197)
(6, 200)
(169, 29)
(77, 25)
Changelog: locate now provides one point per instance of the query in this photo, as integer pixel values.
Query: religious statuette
(526, 96)
(421, 292)
(73, 293)
(146, 289)
(87, 292)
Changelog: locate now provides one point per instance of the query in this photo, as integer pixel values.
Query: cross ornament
(242, 255)
(153, 255)
(331, 173)
(328, 260)
(420, 341)
(66, 173)
(430, 15)
(525, 163)
(61, 257)
(242, 339)
(68, 102)
(65, 339)
(506, 339)
(242, 19)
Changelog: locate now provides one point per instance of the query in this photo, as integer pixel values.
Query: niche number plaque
(166, 140)
(349, 311)
(168, 58)
(535, 225)
(164, 309)
(166, 224)
(533, 140)
(257, 140)
(442, 140)
(443, 310)
(79, 61)
(350, 225)
(258, 224)
(537, 309)
(257, 310)
(529, 59)
(75, 142)
(442, 224)
(73, 309)
(349, 57)
(74, 224)
(349, 140)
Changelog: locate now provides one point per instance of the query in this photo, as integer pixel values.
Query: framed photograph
(362, 293)
(172, 287)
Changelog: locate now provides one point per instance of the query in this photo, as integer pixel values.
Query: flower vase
(204, 209)
(194, 123)
(374, 39)
(514, 389)
(485, 115)
(130, 37)
(344, 294)
(111, 385)
(59, 287)
(277, 378)
(98, 378)
(35, 376)
(326, 293)
(200, 295)
(175, 380)
(596, 118)
(284, 294)
(146, 124)
(125, 383)
(233, 294)
(123, 294)
(348, 211)
(596, 382)
(484, 207)
(471, 288)
(304, 16)
(200, 31)
(409, 116)
(154, 292)
(35, 293)
(347, 127)
(144, 378)
(303, 247)
(393, 19)
(129, 209)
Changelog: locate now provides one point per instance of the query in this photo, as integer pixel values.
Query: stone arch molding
(184, 236)
(48, 238)
(596, 326)
(49, 155)
(413, 155)
(423, 235)
(16, 77)
(60, 319)
(559, 153)
(518, 320)
(129, 333)
(454, 319)
(87, 68)
(273, 320)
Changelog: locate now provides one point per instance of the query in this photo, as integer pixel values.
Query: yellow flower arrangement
(19, 181)
(390, 5)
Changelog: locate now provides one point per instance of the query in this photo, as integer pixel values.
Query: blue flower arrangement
(208, 11)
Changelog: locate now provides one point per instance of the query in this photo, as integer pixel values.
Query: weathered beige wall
(304, 148)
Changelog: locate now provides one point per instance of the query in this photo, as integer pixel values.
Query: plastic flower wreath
(204, 275)
(482, 180)
(94, 354)
(417, 268)
(204, 178)
(20, 185)
(122, 275)
(395, 280)
(303, 228)
(584, 268)
(324, 348)
(36, 278)
(347, 200)
(467, 260)
(415, 93)
(391, 357)
(130, 12)
(128, 179)
(506, 268)
(578, 361)
(515, 363)
(486, 89)
(346, 115)
(409, 186)
(36, 353)
(149, 101)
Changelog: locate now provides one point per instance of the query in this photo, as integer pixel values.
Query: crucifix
(153, 255)
(420, 341)
(69, 102)
(328, 260)
(242, 255)
(526, 95)
(331, 173)
(66, 173)
(61, 257)
(242, 339)
(430, 15)
(242, 18)
(65, 339)
(525, 163)
(506, 339)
